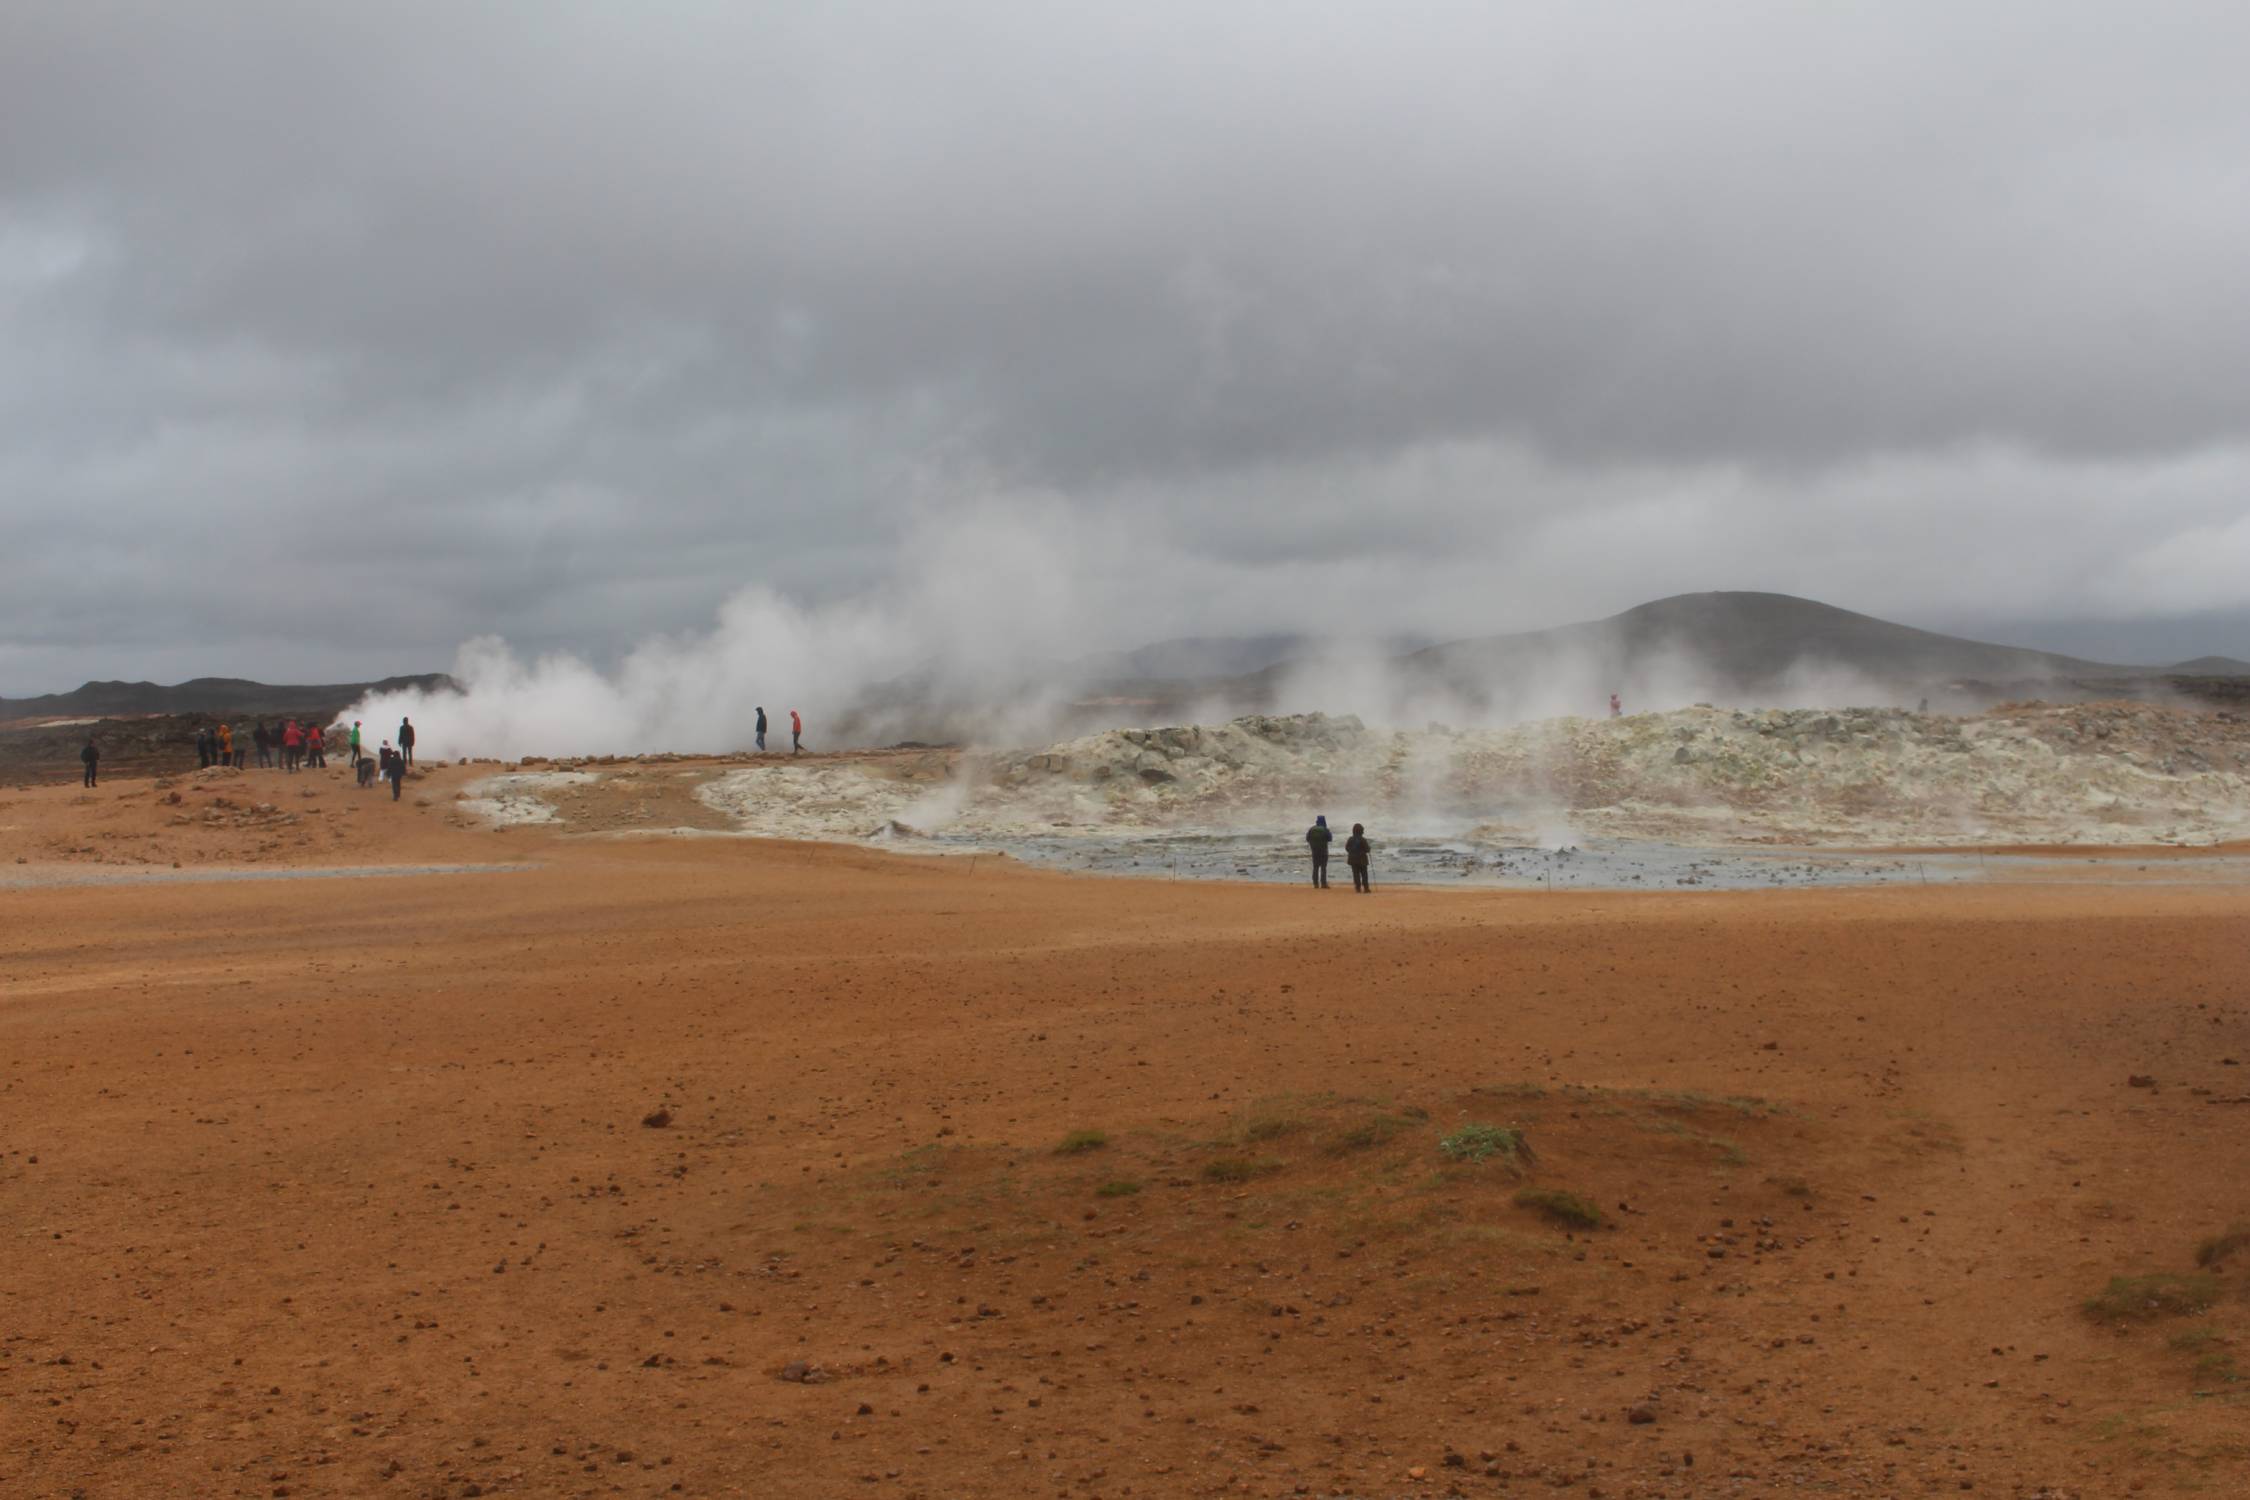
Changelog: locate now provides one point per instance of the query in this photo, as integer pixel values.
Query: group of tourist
(291, 746)
(1356, 852)
(796, 731)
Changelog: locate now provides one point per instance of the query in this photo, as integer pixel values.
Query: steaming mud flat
(1698, 797)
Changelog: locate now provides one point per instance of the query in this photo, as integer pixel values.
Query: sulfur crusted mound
(2078, 773)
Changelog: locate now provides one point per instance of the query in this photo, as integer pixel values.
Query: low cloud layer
(330, 340)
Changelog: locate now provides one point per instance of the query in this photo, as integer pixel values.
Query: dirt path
(346, 1187)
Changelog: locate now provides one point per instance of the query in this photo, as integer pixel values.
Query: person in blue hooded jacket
(1319, 838)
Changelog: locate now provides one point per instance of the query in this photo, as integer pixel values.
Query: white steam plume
(952, 634)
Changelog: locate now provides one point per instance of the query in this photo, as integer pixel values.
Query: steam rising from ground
(949, 630)
(979, 636)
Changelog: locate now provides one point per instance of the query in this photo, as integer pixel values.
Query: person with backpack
(405, 741)
(1318, 837)
(91, 758)
(796, 733)
(1356, 850)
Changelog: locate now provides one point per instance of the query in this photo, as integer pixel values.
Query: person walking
(796, 732)
(761, 728)
(355, 744)
(1319, 837)
(1356, 850)
(394, 769)
(91, 758)
(405, 741)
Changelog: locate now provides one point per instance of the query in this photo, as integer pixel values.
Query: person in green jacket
(355, 744)
(1319, 837)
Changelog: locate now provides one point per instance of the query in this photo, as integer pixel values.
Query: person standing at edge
(316, 749)
(796, 732)
(203, 748)
(406, 739)
(1356, 850)
(91, 756)
(292, 745)
(1319, 837)
(226, 744)
(761, 727)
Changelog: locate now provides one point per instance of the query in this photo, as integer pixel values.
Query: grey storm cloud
(331, 336)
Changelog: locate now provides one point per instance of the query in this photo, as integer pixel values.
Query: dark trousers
(1320, 868)
(89, 773)
(265, 756)
(796, 742)
(1359, 878)
(366, 770)
(396, 782)
(406, 753)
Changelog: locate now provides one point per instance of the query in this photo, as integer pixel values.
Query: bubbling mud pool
(1595, 865)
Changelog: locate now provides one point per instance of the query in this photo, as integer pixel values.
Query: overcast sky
(333, 335)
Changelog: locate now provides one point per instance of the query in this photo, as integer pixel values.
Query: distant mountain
(1194, 656)
(1739, 648)
(1199, 658)
(2212, 666)
(207, 695)
(1734, 643)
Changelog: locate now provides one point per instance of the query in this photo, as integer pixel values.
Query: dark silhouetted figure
(92, 757)
(264, 737)
(406, 740)
(206, 746)
(394, 769)
(1319, 838)
(761, 728)
(1356, 850)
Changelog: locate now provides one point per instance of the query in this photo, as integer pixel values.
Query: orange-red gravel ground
(541, 1180)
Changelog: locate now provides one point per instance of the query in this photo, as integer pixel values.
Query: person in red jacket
(796, 732)
(316, 748)
(292, 745)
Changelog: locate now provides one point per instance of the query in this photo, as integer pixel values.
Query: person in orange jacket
(796, 732)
